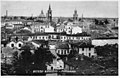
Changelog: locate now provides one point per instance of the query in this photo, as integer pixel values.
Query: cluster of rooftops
(53, 33)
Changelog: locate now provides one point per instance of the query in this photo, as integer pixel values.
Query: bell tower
(75, 15)
(49, 14)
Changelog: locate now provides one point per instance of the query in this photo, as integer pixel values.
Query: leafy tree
(72, 54)
(24, 61)
(42, 56)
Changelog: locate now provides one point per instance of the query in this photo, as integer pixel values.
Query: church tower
(75, 15)
(49, 14)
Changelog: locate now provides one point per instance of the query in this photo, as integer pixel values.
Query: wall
(86, 51)
(102, 42)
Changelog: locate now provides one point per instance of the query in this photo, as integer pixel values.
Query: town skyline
(28, 8)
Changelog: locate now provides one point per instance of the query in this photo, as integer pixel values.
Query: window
(62, 52)
(39, 37)
(46, 37)
(19, 45)
(12, 45)
(58, 51)
(43, 37)
(82, 53)
(89, 49)
(89, 54)
(65, 52)
(82, 49)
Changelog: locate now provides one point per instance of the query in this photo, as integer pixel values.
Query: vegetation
(26, 62)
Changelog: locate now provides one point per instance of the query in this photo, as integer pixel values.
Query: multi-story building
(55, 37)
(85, 49)
(42, 27)
(14, 23)
(69, 28)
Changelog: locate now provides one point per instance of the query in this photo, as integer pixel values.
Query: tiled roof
(79, 34)
(106, 38)
(62, 46)
(83, 45)
(40, 41)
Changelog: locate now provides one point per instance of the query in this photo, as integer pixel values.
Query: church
(48, 17)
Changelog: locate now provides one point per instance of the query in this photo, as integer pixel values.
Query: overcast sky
(61, 8)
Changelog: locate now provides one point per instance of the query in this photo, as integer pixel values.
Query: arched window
(58, 51)
(19, 45)
(89, 54)
(12, 45)
(89, 49)
(82, 49)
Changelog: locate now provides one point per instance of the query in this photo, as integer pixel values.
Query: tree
(42, 56)
(106, 21)
(24, 61)
(72, 54)
(96, 21)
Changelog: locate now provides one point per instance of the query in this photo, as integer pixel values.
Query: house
(49, 28)
(103, 41)
(86, 49)
(39, 43)
(16, 23)
(38, 27)
(76, 29)
(14, 44)
(57, 64)
(63, 49)
(83, 48)
(60, 28)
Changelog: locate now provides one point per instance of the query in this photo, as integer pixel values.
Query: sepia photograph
(59, 38)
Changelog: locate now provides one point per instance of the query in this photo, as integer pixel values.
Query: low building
(57, 64)
(104, 41)
(42, 28)
(84, 49)
(87, 50)
(63, 49)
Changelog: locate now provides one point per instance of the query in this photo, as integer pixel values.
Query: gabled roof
(62, 46)
(28, 46)
(40, 41)
(82, 45)
(24, 31)
(79, 34)
(61, 27)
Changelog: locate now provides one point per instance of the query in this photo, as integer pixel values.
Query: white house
(57, 64)
(76, 29)
(38, 27)
(49, 28)
(42, 27)
(104, 41)
(86, 49)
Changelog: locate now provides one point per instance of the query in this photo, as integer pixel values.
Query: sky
(61, 8)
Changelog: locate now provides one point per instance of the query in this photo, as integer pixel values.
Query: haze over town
(27, 8)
